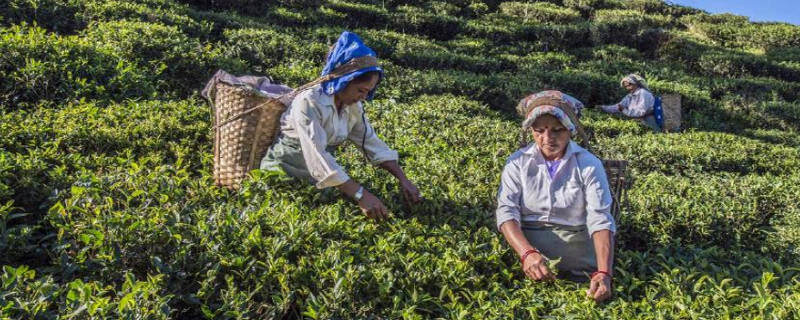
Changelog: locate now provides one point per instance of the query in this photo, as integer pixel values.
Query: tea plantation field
(108, 208)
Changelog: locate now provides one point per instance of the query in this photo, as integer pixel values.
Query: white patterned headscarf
(634, 79)
(546, 102)
(541, 110)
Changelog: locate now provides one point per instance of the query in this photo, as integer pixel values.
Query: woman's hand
(535, 267)
(411, 194)
(600, 287)
(372, 206)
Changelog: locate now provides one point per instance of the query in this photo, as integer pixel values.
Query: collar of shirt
(328, 101)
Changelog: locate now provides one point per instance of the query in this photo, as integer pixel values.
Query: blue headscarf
(348, 46)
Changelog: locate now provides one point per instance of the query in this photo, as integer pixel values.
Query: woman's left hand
(411, 194)
(600, 287)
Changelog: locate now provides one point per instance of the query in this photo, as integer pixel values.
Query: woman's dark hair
(366, 76)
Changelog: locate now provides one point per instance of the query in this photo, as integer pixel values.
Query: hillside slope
(108, 209)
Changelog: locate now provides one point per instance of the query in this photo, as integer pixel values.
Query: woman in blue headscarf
(324, 116)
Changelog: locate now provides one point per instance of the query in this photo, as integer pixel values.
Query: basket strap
(352, 65)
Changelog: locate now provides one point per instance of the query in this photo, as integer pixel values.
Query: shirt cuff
(610, 109)
(503, 217)
(384, 156)
(335, 178)
(604, 226)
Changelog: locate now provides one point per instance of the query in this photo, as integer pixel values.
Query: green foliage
(735, 32)
(43, 68)
(414, 52)
(164, 52)
(696, 154)
(108, 208)
(728, 210)
(539, 12)
(263, 49)
(588, 7)
(250, 7)
(551, 36)
(711, 61)
(26, 296)
(624, 26)
(54, 15)
(408, 18)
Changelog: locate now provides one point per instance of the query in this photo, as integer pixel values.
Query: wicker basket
(671, 104)
(247, 120)
(246, 123)
(618, 181)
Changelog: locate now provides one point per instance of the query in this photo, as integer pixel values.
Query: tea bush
(624, 26)
(735, 31)
(108, 208)
(723, 209)
(43, 68)
(588, 7)
(552, 36)
(407, 18)
(58, 16)
(179, 62)
(696, 154)
(539, 12)
(262, 49)
(249, 7)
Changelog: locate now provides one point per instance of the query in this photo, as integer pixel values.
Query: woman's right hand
(535, 267)
(372, 206)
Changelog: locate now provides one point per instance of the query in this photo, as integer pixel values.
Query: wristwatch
(360, 193)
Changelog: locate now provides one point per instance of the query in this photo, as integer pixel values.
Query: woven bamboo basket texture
(246, 123)
(618, 181)
(671, 104)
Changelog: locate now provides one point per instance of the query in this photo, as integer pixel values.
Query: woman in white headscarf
(638, 104)
(554, 201)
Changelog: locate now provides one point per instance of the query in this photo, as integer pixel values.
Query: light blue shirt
(577, 195)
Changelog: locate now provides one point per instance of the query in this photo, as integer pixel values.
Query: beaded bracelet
(526, 254)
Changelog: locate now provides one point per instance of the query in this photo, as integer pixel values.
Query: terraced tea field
(108, 208)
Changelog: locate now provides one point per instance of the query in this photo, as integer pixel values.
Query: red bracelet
(526, 254)
(599, 272)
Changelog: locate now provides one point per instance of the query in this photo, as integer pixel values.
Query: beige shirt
(314, 121)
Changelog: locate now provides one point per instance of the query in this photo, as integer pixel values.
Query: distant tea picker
(321, 115)
(641, 104)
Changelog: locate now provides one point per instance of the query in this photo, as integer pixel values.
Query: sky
(757, 10)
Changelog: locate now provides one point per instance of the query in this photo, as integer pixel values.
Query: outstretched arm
(410, 192)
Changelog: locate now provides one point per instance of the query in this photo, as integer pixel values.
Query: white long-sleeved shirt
(315, 122)
(634, 105)
(577, 195)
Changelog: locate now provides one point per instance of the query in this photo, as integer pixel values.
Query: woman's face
(551, 136)
(629, 86)
(356, 91)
